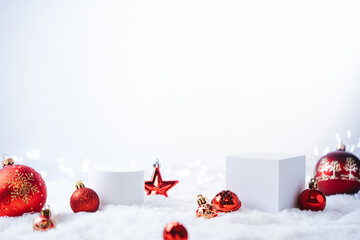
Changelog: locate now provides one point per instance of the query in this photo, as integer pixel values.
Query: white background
(131, 81)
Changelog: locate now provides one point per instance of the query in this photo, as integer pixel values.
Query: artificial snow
(339, 220)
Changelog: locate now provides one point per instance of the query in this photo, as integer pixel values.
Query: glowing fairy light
(43, 174)
(316, 151)
(348, 134)
(36, 155)
(326, 151)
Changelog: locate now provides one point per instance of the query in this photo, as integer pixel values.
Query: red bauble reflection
(84, 199)
(175, 231)
(22, 190)
(226, 201)
(338, 172)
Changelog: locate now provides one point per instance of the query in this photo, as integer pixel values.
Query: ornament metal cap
(313, 184)
(46, 211)
(7, 160)
(79, 184)
(341, 147)
(201, 199)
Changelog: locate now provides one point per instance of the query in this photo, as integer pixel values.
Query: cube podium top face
(268, 182)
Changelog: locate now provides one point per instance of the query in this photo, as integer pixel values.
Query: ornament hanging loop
(79, 184)
(156, 163)
(313, 184)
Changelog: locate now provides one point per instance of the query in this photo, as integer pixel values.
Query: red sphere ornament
(156, 185)
(226, 201)
(84, 199)
(205, 209)
(312, 199)
(44, 222)
(22, 189)
(338, 172)
(175, 231)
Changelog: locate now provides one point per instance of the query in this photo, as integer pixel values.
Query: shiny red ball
(338, 172)
(84, 200)
(175, 231)
(226, 201)
(312, 199)
(22, 190)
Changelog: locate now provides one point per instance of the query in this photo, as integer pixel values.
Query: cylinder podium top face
(118, 185)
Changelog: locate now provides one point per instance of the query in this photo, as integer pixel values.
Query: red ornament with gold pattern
(226, 201)
(157, 186)
(205, 209)
(175, 231)
(84, 199)
(338, 172)
(44, 222)
(22, 189)
(312, 199)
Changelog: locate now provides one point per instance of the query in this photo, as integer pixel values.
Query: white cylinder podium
(117, 185)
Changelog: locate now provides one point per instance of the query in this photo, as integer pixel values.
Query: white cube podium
(268, 182)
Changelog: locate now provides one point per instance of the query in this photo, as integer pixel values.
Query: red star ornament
(157, 185)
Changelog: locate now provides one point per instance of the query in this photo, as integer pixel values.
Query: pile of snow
(340, 219)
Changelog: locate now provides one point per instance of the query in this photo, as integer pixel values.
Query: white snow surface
(339, 220)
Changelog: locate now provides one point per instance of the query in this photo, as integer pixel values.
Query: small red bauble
(22, 189)
(175, 231)
(44, 222)
(312, 199)
(226, 201)
(205, 209)
(84, 199)
(338, 172)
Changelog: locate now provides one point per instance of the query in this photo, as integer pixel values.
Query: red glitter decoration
(84, 199)
(22, 190)
(157, 185)
(175, 231)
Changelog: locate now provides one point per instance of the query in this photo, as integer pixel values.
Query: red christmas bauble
(44, 222)
(175, 231)
(84, 199)
(338, 172)
(226, 201)
(312, 199)
(22, 190)
(205, 209)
